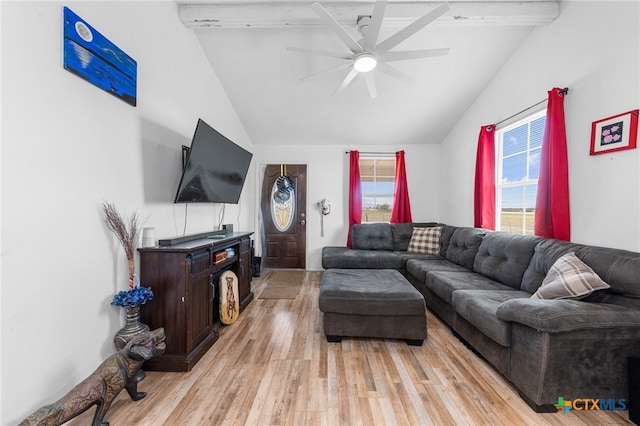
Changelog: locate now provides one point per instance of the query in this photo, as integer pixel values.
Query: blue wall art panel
(89, 55)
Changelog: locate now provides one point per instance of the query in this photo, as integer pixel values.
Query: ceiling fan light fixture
(365, 62)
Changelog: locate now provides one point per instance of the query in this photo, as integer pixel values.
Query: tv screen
(215, 169)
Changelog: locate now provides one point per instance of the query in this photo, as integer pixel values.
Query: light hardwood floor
(274, 367)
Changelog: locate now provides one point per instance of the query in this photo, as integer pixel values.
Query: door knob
(302, 222)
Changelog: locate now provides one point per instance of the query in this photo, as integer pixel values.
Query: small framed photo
(614, 133)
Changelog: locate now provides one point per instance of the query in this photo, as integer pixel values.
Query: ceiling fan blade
(374, 27)
(333, 68)
(352, 74)
(411, 29)
(319, 52)
(413, 54)
(369, 78)
(351, 43)
(395, 73)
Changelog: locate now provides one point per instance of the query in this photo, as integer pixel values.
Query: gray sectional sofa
(481, 282)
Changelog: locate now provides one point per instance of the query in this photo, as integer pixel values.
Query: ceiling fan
(367, 54)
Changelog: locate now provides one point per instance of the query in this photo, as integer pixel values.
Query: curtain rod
(375, 153)
(562, 92)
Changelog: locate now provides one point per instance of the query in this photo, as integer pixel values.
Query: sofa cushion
(569, 278)
(360, 292)
(401, 233)
(445, 238)
(372, 236)
(464, 245)
(504, 257)
(444, 283)
(405, 257)
(618, 268)
(425, 240)
(346, 258)
(479, 308)
(544, 256)
(607, 296)
(419, 268)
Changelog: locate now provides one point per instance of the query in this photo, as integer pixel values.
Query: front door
(284, 216)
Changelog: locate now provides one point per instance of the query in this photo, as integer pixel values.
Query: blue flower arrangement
(135, 296)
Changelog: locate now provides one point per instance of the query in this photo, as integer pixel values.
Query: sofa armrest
(556, 316)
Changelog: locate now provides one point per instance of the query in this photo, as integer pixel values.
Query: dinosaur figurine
(100, 389)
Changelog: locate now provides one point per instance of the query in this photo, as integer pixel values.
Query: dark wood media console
(184, 281)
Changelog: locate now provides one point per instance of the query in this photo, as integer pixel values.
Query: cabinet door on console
(199, 298)
(168, 276)
(200, 315)
(244, 269)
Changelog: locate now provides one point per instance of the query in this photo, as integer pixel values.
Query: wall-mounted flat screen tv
(215, 169)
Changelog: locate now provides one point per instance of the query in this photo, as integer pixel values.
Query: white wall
(328, 177)
(66, 147)
(594, 49)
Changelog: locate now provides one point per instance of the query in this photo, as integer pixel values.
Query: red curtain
(355, 193)
(401, 212)
(484, 200)
(552, 201)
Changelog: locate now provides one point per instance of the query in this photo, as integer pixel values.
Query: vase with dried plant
(131, 299)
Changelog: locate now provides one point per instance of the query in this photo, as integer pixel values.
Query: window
(377, 177)
(518, 166)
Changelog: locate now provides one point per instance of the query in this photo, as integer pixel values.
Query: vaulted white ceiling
(246, 44)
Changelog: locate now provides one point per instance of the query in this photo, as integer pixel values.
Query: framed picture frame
(615, 133)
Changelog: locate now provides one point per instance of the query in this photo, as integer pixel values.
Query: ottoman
(371, 303)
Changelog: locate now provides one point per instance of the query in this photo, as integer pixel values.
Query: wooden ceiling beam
(283, 14)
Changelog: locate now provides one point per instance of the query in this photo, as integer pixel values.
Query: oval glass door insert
(283, 205)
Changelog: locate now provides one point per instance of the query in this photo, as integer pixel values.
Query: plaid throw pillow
(425, 240)
(569, 278)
